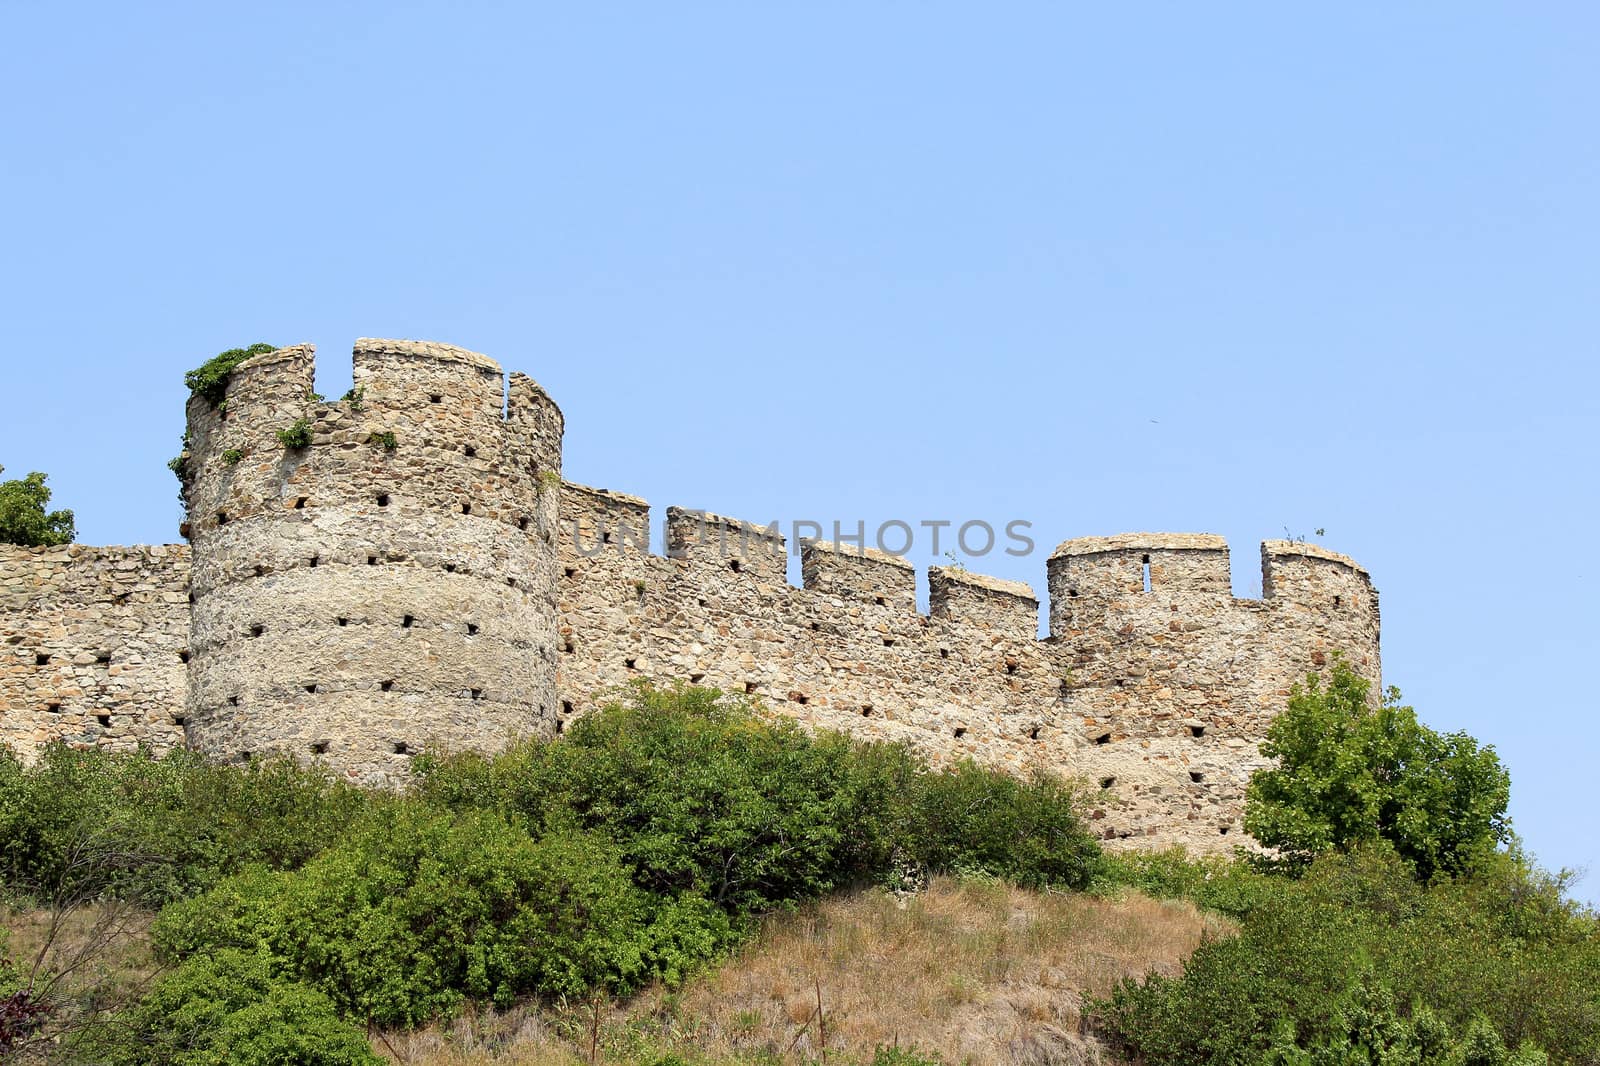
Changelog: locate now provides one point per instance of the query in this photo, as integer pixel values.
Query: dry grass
(88, 959)
(977, 973)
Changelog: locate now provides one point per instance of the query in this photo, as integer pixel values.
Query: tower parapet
(1312, 576)
(387, 583)
(1088, 575)
(1325, 602)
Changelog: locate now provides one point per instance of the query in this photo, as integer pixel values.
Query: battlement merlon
(1312, 576)
(600, 523)
(859, 573)
(703, 538)
(1142, 542)
(1276, 549)
(1008, 607)
(436, 393)
(378, 351)
(1089, 575)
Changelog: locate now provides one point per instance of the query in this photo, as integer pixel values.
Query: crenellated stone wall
(1156, 694)
(417, 574)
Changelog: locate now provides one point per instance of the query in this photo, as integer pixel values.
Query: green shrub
(1028, 832)
(232, 456)
(1359, 961)
(1230, 886)
(84, 823)
(421, 909)
(209, 381)
(297, 436)
(705, 796)
(700, 796)
(384, 439)
(638, 846)
(229, 1007)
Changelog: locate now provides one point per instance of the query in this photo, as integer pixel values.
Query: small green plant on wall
(233, 455)
(179, 465)
(297, 436)
(384, 440)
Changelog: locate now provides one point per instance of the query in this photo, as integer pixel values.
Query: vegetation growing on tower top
(210, 379)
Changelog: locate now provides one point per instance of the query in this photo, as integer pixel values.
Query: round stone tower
(375, 576)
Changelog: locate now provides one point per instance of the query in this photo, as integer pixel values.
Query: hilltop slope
(972, 971)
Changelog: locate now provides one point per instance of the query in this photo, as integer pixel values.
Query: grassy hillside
(968, 971)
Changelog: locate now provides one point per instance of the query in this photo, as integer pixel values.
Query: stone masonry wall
(369, 595)
(1157, 697)
(92, 646)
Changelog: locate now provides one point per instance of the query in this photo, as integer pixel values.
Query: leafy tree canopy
(1350, 771)
(23, 518)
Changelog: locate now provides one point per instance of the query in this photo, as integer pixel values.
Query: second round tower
(375, 576)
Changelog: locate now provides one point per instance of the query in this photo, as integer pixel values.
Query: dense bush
(638, 846)
(85, 823)
(1229, 886)
(698, 795)
(1348, 771)
(968, 818)
(1359, 961)
(228, 1007)
(422, 908)
(702, 795)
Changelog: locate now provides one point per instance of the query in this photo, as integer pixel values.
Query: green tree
(23, 518)
(1350, 771)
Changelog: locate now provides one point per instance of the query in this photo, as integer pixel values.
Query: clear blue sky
(1191, 267)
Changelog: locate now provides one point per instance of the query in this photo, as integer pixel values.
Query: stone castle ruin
(411, 573)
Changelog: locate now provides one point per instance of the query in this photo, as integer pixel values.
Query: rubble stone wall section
(93, 643)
